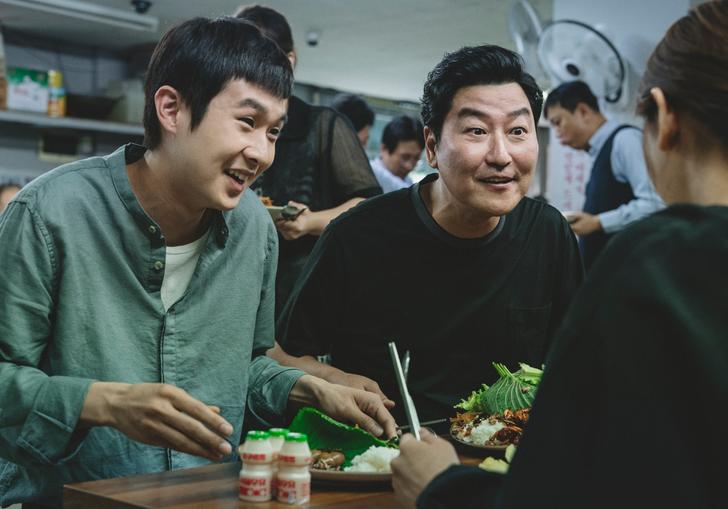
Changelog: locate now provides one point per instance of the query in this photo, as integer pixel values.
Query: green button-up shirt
(81, 268)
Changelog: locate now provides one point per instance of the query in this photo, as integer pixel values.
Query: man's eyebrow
(473, 112)
(260, 108)
(252, 103)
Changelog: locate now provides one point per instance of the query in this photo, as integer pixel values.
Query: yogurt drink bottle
(256, 476)
(294, 478)
(277, 437)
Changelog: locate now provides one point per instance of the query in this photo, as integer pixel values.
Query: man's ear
(168, 103)
(668, 125)
(583, 110)
(430, 147)
(292, 59)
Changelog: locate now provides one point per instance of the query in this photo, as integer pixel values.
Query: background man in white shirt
(402, 146)
(619, 190)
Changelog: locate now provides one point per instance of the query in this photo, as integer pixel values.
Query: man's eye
(275, 132)
(247, 120)
(518, 131)
(477, 131)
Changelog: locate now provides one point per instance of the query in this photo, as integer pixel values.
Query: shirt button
(158, 265)
(152, 229)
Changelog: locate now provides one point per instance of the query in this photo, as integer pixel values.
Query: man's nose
(258, 153)
(497, 154)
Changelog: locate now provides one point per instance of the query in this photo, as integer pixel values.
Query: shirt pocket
(529, 332)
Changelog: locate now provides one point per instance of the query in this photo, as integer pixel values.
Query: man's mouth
(497, 180)
(239, 176)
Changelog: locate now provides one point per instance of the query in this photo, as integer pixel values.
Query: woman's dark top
(633, 407)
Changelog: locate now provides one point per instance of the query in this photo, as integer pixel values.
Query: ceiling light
(89, 12)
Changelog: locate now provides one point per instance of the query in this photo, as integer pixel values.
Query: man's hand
(583, 223)
(160, 415)
(345, 404)
(331, 374)
(418, 463)
(336, 376)
(304, 223)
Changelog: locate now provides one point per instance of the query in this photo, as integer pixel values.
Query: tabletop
(213, 487)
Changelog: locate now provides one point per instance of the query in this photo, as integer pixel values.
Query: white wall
(634, 27)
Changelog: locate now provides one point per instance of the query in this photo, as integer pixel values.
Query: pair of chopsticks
(409, 405)
(423, 424)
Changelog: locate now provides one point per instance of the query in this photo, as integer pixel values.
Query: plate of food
(342, 453)
(274, 211)
(286, 212)
(372, 466)
(489, 432)
(494, 416)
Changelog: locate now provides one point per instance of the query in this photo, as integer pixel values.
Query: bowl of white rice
(373, 460)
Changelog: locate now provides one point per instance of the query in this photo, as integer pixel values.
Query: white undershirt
(180, 264)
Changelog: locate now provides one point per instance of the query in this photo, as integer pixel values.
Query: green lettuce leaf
(512, 391)
(327, 433)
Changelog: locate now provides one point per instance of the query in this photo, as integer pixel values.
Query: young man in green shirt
(138, 288)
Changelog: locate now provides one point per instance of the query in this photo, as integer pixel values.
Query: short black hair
(402, 128)
(272, 23)
(568, 95)
(470, 66)
(355, 109)
(201, 56)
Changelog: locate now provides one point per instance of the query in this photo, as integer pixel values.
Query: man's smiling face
(232, 145)
(487, 149)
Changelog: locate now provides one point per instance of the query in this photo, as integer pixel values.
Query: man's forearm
(322, 218)
(95, 411)
(305, 363)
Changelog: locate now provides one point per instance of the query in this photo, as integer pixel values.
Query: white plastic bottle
(256, 476)
(277, 437)
(294, 478)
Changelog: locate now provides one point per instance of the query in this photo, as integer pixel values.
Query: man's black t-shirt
(386, 271)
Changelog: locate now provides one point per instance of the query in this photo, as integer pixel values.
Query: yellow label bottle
(56, 94)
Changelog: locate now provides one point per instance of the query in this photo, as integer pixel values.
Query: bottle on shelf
(56, 94)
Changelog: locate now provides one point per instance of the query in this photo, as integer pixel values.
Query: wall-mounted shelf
(79, 124)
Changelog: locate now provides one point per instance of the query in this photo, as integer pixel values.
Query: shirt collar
(117, 162)
(378, 163)
(436, 229)
(600, 137)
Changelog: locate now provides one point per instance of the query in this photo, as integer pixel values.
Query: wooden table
(212, 486)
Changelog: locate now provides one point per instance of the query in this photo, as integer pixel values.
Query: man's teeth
(236, 175)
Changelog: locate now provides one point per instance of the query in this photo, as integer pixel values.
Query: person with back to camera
(619, 191)
(643, 353)
(401, 148)
(137, 288)
(461, 269)
(358, 112)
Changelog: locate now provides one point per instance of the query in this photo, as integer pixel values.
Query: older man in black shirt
(460, 269)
